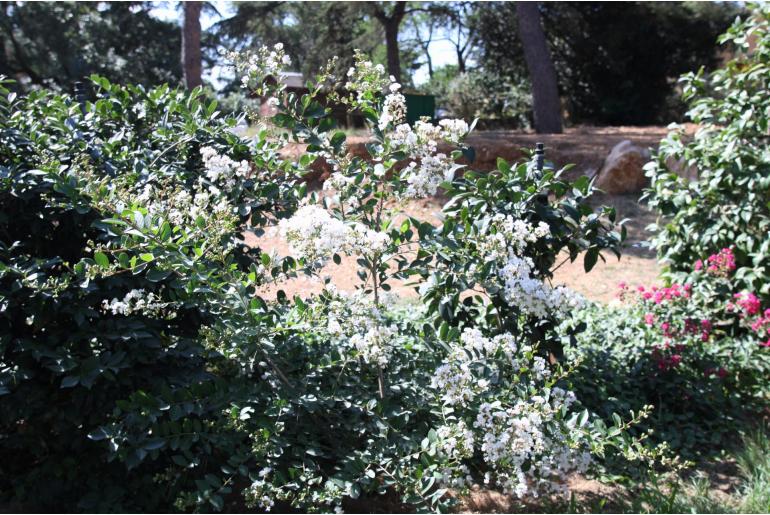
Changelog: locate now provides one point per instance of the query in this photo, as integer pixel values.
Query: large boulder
(622, 171)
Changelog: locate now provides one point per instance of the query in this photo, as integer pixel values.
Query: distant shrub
(494, 99)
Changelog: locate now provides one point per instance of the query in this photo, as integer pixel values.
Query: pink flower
(721, 263)
(722, 373)
(675, 360)
(749, 302)
(649, 319)
(698, 265)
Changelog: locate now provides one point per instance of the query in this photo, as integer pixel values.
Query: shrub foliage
(728, 203)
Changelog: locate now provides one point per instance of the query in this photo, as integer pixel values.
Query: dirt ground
(586, 147)
(636, 266)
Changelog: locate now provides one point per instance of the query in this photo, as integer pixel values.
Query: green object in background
(418, 106)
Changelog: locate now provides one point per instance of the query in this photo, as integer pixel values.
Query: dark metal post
(80, 96)
(539, 157)
(542, 197)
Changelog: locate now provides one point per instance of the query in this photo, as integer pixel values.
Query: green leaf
(69, 381)
(156, 275)
(592, 255)
(101, 259)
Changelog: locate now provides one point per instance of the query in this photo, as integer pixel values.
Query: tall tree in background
(606, 76)
(545, 90)
(191, 44)
(423, 27)
(391, 19)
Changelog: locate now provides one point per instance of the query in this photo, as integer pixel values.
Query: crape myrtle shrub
(143, 367)
(469, 389)
(115, 245)
(729, 203)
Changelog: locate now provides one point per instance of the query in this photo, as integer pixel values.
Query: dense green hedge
(74, 376)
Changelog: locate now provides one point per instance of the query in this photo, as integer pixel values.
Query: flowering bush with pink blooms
(698, 351)
(726, 204)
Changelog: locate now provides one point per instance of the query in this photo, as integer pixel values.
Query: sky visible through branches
(441, 50)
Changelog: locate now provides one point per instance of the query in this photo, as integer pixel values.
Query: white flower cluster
(531, 295)
(357, 325)
(455, 383)
(257, 492)
(222, 170)
(474, 341)
(454, 378)
(530, 451)
(457, 441)
(366, 80)
(342, 192)
(373, 345)
(135, 301)
(423, 140)
(313, 234)
(263, 63)
(528, 443)
(504, 243)
(393, 108)
(453, 130)
(424, 179)
(339, 182)
(179, 206)
(182, 206)
(508, 236)
(430, 169)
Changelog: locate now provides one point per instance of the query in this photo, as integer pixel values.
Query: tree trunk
(391, 46)
(545, 91)
(460, 60)
(191, 44)
(428, 60)
(391, 25)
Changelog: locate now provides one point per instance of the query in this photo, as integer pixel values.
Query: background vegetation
(604, 74)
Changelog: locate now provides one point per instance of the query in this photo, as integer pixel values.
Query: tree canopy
(56, 43)
(616, 63)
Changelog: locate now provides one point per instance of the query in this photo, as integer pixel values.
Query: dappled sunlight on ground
(636, 266)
